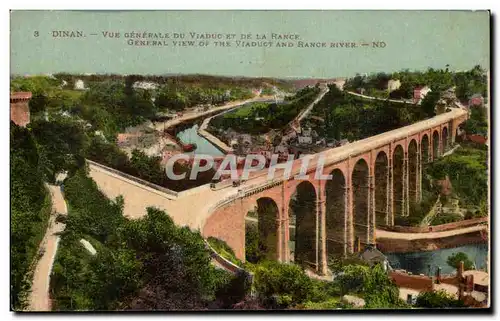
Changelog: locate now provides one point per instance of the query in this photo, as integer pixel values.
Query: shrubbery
(438, 299)
(147, 263)
(373, 284)
(224, 250)
(354, 118)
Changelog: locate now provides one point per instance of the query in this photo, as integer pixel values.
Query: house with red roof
(476, 100)
(419, 93)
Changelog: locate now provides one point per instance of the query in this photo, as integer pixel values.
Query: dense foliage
(373, 283)
(178, 97)
(349, 117)
(253, 249)
(30, 208)
(143, 166)
(477, 122)
(141, 264)
(280, 286)
(61, 143)
(467, 169)
(438, 299)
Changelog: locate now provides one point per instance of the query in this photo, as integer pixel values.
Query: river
(190, 134)
(418, 262)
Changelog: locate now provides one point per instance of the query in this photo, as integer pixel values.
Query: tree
(61, 144)
(30, 209)
(477, 122)
(252, 250)
(377, 288)
(428, 104)
(144, 264)
(438, 299)
(281, 285)
(454, 261)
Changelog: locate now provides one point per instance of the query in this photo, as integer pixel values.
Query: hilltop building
(419, 93)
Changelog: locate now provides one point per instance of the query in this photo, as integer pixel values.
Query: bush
(337, 263)
(438, 299)
(144, 264)
(281, 285)
(330, 304)
(30, 209)
(454, 261)
(444, 218)
(253, 253)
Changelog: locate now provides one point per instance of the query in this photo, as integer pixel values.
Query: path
(39, 296)
(324, 89)
(380, 99)
(432, 213)
(305, 112)
(451, 150)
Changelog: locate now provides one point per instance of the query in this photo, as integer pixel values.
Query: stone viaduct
(374, 182)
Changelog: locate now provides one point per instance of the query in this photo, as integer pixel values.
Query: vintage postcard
(249, 160)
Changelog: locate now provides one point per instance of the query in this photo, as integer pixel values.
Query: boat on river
(188, 147)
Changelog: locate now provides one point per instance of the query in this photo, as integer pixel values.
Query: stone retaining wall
(436, 228)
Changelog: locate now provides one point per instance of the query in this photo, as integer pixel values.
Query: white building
(79, 85)
(145, 85)
(393, 84)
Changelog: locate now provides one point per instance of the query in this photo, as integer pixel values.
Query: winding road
(39, 297)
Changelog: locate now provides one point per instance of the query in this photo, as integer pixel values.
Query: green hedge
(30, 209)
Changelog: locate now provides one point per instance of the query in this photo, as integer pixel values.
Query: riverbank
(223, 147)
(472, 235)
(202, 131)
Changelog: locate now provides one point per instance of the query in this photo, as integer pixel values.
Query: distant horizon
(86, 74)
